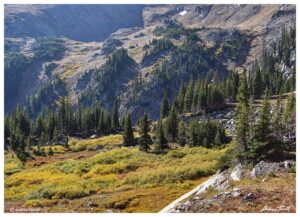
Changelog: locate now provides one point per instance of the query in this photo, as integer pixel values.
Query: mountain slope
(228, 37)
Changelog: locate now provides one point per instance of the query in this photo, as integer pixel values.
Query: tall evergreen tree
(145, 140)
(257, 84)
(115, 116)
(277, 119)
(128, 132)
(181, 134)
(162, 140)
(172, 125)
(188, 98)
(242, 114)
(262, 128)
(164, 109)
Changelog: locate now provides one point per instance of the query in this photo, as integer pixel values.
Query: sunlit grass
(12, 164)
(120, 169)
(104, 141)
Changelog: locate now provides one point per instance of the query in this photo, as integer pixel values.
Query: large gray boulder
(263, 168)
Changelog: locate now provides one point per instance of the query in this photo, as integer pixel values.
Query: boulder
(264, 168)
(237, 173)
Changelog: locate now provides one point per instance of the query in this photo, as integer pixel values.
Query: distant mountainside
(163, 45)
(77, 22)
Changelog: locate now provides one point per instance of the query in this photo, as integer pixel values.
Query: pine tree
(242, 114)
(162, 140)
(289, 116)
(188, 98)
(181, 134)
(115, 116)
(172, 125)
(38, 127)
(257, 84)
(180, 98)
(193, 135)
(277, 119)
(128, 132)
(145, 140)
(164, 109)
(262, 128)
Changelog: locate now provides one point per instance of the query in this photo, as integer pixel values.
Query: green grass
(12, 164)
(109, 141)
(118, 170)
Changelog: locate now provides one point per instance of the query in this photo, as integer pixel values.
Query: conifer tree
(180, 98)
(164, 109)
(262, 128)
(188, 98)
(289, 115)
(172, 125)
(242, 114)
(193, 136)
(145, 140)
(277, 118)
(162, 140)
(128, 132)
(115, 116)
(181, 134)
(257, 84)
(39, 127)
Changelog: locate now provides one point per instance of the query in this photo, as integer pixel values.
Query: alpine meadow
(149, 108)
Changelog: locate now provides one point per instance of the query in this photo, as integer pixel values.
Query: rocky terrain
(267, 187)
(96, 32)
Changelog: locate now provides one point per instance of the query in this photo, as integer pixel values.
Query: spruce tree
(188, 98)
(181, 134)
(242, 114)
(115, 116)
(257, 84)
(193, 135)
(277, 118)
(128, 132)
(164, 109)
(172, 125)
(289, 115)
(262, 128)
(145, 140)
(162, 140)
(39, 127)
(180, 98)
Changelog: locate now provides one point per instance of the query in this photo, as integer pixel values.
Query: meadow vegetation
(128, 176)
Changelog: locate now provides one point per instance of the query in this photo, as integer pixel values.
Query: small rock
(236, 189)
(93, 136)
(236, 193)
(187, 203)
(249, 196)
(91, 204)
